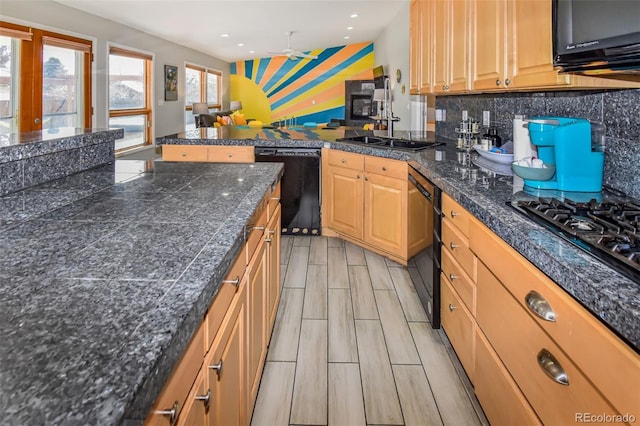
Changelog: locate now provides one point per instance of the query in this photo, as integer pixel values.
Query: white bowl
(534, 173)
(494, 156)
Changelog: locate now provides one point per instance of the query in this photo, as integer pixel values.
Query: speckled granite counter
(31, 158)
(610, 296)
(104, 277)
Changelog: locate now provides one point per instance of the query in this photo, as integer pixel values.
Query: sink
(391, 143)
(364, 139)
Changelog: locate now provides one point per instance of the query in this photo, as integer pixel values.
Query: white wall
(168, 116)
(391, 50)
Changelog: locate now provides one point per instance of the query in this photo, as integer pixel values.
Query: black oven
(428, 260)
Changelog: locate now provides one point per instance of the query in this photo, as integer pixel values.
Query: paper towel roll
(522, 146)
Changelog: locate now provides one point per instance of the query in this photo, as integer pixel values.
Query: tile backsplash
(619, 110)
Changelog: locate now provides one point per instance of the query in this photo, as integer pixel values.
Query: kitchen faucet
(388, 112)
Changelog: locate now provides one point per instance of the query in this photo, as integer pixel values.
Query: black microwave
(591, 36)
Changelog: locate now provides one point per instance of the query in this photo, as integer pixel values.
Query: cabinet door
(184, 153)
(489, 50)
(441, 45)
(257, 322)
(273, 268)
(345, 199)
(415, 45)
(458, 76)
(385, 213)
(531, 65)
(459, 324)
(427, 47)
(226, 367)
(196, 411)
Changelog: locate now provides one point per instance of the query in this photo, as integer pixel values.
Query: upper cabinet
(461, 46)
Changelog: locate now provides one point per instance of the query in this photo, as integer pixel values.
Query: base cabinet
(367, 201)
(526, 368)
(216, 381)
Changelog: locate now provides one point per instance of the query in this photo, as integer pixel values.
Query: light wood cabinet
(451, 36)
(208, 153)
(459, 325)
(615, 371)
(216, 381)
(365, 200)
(415, 46)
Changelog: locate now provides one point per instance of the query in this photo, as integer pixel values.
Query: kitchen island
(101, 293)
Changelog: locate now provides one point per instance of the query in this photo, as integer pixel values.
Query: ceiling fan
(293, 54)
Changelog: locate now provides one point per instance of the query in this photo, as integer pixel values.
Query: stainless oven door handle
(421, 188)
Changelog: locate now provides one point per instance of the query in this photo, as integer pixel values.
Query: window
(130, 96)
(45, 80)
(202, 85)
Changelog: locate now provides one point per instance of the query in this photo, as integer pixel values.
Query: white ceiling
(259, 24)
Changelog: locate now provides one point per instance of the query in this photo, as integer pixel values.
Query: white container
(522, 146)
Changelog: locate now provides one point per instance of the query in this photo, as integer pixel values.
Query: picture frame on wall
(170, 83)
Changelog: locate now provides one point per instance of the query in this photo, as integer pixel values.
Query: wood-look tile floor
(352, 346)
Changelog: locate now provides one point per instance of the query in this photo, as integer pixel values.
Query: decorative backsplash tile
(619, 110)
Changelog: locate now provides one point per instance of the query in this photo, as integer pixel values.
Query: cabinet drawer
(230, 154)
(501, 399)
(255, 233)
(459, 280)
(345, 159)
(459, 325)
(458, 246)
(615, 371)
(524, 348)
(274, 202)
(182, 378)
(456, 213)
(224, 297)
(386, 167)
(184, 153)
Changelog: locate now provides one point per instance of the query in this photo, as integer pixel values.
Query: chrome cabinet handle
(235, 282)
(217, 367)
(453, 277)
(366, 178)
(275, 198)
(343, 161)
(184, 154)
(384, 169)
(453, 246)
(507, 82)
(498, 82)
(171, 413)
(552, 367)
(230, 155)
(451, 307)
(539, 306)
(453, 214)
(357, 176)
(206, 398)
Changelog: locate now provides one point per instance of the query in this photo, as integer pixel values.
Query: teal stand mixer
(575, 146)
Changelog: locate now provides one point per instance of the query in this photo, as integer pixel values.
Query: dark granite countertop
(104, 277)
(485, 192)
(18, 146)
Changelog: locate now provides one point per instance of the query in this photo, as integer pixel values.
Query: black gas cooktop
(608, 229)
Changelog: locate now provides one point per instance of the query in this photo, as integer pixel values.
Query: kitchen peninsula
(105, 276)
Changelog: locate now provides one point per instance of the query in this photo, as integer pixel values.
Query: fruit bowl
(545, 172)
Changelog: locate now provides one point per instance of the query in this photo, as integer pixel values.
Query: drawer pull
(451, 307)
(366, 178)
(453, 277)
(277, 199)
(235, 282)
(184, 154)
(357, 176)
(230, 155)
(204, 398)
(171, 413)
(453, 246)
(552, 367)
(217, 367)
(539, 306)
(453, 214)
(384, 169)
(343, 161)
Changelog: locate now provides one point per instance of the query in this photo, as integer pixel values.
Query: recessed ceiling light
(224, 35)
(349, 28)
(347, 37)
(252, 51)
(354, 15)
(240, 44)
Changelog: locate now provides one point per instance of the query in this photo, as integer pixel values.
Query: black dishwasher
(300, 190)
